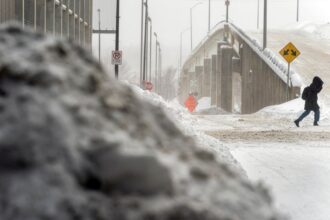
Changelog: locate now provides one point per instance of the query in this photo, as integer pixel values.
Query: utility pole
(99, 11)
(145, 42)
(227, 10)
(142, 42)
(265, 25)
(150, 49)
(209, 16)
(117, 36)
(160, 71)
(258, 14)
(297, 10)
(156, 62)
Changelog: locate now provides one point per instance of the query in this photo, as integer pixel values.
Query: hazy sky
(170, 17)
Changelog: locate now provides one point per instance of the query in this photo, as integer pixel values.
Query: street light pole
(150, 49)
(156, 61)
(160, 71)
(265, 25)
(209, 16)
(191, 25)
(142, 41)
(117, 36)
(145, 42)
(227, 10)
(258, 14)
(297, 10)
(99, 12)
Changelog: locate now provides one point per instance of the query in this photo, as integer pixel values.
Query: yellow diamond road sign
(290, 52)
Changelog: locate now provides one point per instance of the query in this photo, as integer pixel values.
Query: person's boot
(297, 123)
(316, 124)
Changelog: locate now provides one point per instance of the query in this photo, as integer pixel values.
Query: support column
(218, 73)
(227, 79)
(199, 80)
(207, 78)
(214, 80)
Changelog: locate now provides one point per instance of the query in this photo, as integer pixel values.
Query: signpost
(289, 53)
(117, 57)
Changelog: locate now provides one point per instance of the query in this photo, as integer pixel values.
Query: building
(66, 18)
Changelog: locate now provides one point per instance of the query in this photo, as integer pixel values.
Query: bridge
(236, 73)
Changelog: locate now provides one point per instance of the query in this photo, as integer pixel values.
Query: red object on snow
(191, 103)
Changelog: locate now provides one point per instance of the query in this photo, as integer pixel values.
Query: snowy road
(293, 162)
(299, 177)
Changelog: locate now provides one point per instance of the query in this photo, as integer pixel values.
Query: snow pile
(203, 104)
(292, 110)
(187, 123)
(76, 144)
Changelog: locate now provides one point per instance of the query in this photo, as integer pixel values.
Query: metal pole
(288, 81)
(160, 71)
(23, 13)
(99, 11)
(209, 16)
(156, 68)
(145, 42)
(54, 17)
(150, 50)
(258, 14)
(35, 15)
(156, 60)
(227, 11)
(265, 25)
(61, 13)
(117, 36)
(147, 52)
(45, 16)
(191, 30)
(142, 41)
(297, 10)
(180, 62)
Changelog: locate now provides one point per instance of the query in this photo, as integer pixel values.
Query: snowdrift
(76, 144)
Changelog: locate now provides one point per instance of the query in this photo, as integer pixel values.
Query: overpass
(236, 73)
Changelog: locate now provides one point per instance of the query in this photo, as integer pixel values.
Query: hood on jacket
(317, 81)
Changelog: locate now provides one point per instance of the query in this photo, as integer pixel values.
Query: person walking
(310, 96)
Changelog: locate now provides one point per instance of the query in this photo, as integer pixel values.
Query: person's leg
(305, 114)
(316, 116)
(301, 118)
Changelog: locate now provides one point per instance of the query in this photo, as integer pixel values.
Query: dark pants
(306, 113)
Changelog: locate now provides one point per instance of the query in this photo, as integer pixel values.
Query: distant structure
(66, 18)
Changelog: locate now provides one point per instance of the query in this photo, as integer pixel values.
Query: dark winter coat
(311, 94)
